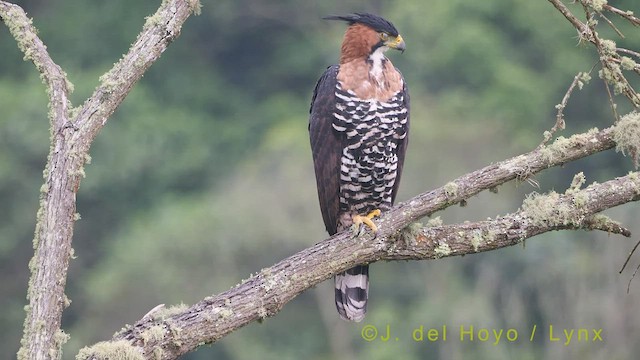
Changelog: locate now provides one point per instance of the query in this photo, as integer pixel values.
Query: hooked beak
(397, 43)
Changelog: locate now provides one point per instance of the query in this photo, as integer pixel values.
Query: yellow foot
(359, 219)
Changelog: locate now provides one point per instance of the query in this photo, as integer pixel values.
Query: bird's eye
(384, 36)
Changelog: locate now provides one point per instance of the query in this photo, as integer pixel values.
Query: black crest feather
(373, 21)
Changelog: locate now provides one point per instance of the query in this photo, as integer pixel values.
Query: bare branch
(632, 276)
(612, 103)
(72, 132)
(627, 51)
(579, 81)
(612, 25)
(633, 250)
(625, 14)
(583, 30)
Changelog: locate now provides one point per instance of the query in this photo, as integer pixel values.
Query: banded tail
(352, 292)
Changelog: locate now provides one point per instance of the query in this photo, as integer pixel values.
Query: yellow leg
(359, 219)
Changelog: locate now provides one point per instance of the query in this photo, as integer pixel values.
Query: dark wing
(326, 147)
(402, 148)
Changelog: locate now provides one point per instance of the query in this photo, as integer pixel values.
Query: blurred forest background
(204, 175)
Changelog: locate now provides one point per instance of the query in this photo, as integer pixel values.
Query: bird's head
(366, 34)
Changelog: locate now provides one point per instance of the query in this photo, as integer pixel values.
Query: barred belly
(371, 131)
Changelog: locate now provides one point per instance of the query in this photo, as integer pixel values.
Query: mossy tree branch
(169, 333)
(166, 334)
(72, 132)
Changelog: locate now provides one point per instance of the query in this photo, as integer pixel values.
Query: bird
(359, 131)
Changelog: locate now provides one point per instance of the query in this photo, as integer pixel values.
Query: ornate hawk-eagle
(359, 127)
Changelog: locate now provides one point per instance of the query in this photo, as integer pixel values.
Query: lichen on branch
(627, 136)
(257, 297)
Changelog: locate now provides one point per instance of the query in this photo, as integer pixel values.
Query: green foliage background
(203, 176)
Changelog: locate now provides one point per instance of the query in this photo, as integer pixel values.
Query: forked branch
(72, 132)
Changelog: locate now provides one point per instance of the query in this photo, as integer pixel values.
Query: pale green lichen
(583, 78)
(547, 135)
(152, 21)
(175, 334)
(157, 353)
(597, 5)
(626, 134)
(547, 154)
(15, 19)
(547, 210)
(578, 180)
(117, 350)
(153, 334)
(78, 172)
(627, 63)
(562, 145)
(60, 338)
(410, 233)
(618, 88)
(611, 74)
(110, 83)
(490, 235)
(608, 46)
(67, 301)
(164, 313)
(123, 330)
(271, 281)
(636, 184)
(436, 221)
(581, 199)
(262, 313)
(591, 132)
(442, 250)
(602, 222)
(556, 149)
(480, 237)
(72, 112)
(225, 313)
(196, 7)
(451, 190)
(476, 240)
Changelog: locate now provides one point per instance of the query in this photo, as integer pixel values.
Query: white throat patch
(377, 58)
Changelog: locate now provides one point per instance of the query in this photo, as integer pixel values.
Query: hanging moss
(627, 136)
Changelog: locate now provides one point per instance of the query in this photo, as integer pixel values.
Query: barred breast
(372, 131)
